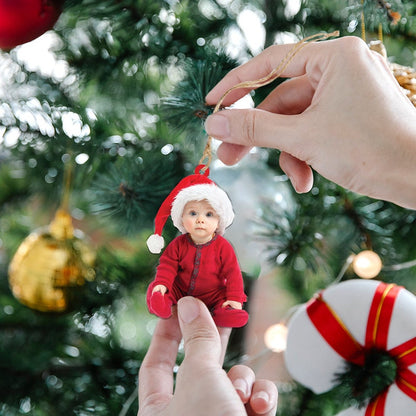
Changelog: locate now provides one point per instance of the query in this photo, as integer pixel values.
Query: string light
(400, 266)
(275, 337)
(361, 261)
(367, 264)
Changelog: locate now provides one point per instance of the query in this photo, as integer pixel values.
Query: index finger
(156, 371)
(295, 55)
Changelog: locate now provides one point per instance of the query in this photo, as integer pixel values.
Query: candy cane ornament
(344, 323)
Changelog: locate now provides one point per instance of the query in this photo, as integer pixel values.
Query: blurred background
(101, 114)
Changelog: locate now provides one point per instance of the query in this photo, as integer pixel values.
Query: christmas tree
(100, 117)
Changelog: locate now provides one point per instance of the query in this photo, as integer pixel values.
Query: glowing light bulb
(367, 264)
(275, 337)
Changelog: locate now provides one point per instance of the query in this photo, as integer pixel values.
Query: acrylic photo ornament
(200, 262)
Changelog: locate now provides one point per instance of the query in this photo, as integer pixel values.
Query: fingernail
(218, 126)
(188, 309)
(241, 385)
(261, 395)
(293, 182)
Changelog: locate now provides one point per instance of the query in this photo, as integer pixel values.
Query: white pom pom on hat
(196, 187)
(155, 243)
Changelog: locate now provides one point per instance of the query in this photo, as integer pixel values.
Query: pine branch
(357, 385)
(133, 189)
(185, 108)
(381, 13)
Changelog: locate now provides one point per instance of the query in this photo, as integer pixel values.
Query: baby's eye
(210, 214)
(193, 213)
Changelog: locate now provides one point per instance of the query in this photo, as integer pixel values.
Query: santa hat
(196, 187)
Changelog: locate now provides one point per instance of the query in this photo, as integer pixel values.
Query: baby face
(200, 220)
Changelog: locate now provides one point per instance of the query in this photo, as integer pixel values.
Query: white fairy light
(275, 337)
(367, 264)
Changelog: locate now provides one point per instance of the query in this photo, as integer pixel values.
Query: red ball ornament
(24, 20)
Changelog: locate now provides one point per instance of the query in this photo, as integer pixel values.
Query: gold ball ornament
(367, 264)
(50, 267)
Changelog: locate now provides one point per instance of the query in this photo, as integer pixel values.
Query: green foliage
(305, 237)
(133, 189)
(185, 108)
(357, 385)
(298, 401)
(12, 188)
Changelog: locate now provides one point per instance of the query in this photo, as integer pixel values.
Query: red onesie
(208, 271)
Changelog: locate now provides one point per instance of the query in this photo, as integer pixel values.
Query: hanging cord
(362, 22)
(61, 226)
(67, 185)
(380, 32)
(276, 73)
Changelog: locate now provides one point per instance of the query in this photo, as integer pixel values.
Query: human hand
(234, 304)
(202, 387)
(341, 112)
(160, 288)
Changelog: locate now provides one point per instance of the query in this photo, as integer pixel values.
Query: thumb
(256, 127)
(201, 338)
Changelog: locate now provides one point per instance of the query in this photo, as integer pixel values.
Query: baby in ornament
(200, 262)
